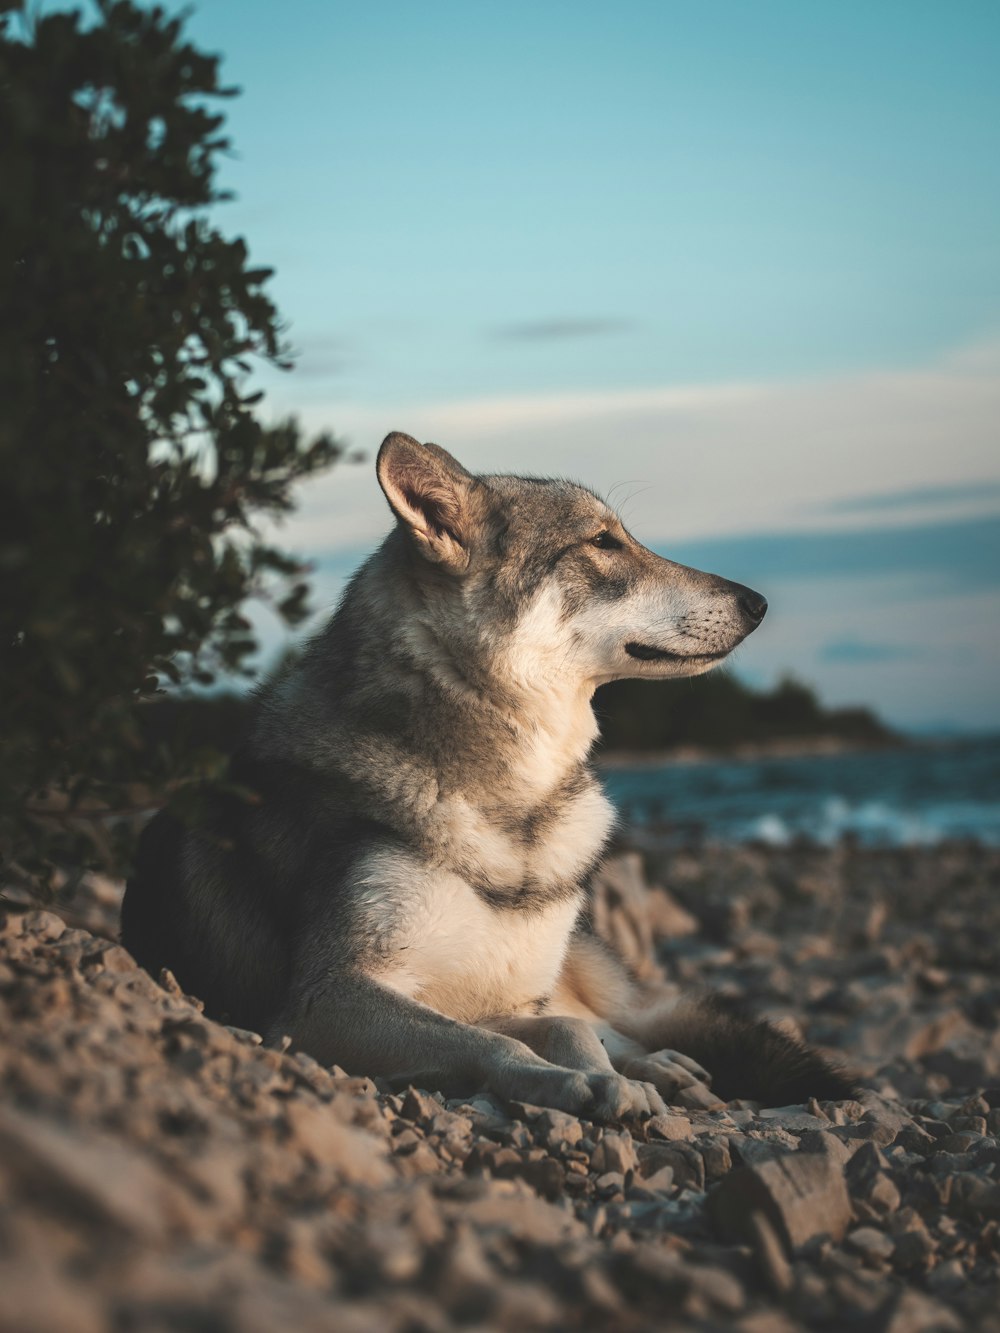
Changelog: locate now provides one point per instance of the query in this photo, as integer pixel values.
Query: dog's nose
(753, 604)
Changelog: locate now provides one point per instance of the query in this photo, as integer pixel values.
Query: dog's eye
(605, 542)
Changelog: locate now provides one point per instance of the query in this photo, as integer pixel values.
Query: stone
(525, 1218)
(719, 1288)
(913, 1312)
(615, 1152)
(87, 1177)
(317, 1132)
(558, 1129)
(803, 1196)
(769, 1252)
(793, 1119)
(418, 1105)
(659, 1182)
(668, 919)
(717, 1158)
(673, 1128)
(684, 1160)
(619, 911)
(870, 1243)
(45, 925)
(35, 1297)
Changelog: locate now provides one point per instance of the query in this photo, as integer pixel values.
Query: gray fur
(401, 896)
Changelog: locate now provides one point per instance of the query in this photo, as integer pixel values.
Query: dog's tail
(749, 1057)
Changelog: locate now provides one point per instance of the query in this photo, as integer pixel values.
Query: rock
(803, 1196)
(871, 1244)
(667, 918)
(93, 1179)
(793, 1119)
(559, 1130)
(417, 1105)
(615, 1152)
(975, 1198)
(659, 1182)
(685, 1162)
(769, 1252)
(674, 1128)
(35, 1297)
(716, 1156)
(823, 1142)
(913, 1312)
(320, 1134)
(719, 1289)
(522, 1217)
(44, 925)
(620, 911)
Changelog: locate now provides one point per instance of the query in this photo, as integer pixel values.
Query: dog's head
(542, 576)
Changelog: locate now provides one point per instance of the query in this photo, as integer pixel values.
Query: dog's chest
(538, 853)
(470, 960)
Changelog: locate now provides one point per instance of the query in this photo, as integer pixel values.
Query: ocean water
(913, 796)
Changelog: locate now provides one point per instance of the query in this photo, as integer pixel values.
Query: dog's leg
(352, 1020)
(570, 1042)
(588, 1044)
(596, 986)
(683, 1045)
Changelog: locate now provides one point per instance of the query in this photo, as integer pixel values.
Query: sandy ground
(161, 1172)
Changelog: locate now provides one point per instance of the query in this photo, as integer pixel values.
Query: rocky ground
(161, 1172)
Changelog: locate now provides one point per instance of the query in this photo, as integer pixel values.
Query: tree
(134, 467)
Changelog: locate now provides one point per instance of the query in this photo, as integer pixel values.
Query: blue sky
(738, 261)
(677, 192)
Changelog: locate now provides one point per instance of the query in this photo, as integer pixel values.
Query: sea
(914, 795)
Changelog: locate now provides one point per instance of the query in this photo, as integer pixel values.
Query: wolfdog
(405, 894)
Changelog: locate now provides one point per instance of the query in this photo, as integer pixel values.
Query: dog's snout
(753, 604)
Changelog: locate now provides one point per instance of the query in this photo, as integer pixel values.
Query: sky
(737, 265)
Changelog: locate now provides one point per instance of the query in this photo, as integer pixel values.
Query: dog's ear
(430, 492)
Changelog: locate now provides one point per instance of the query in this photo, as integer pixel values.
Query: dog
(405, 893)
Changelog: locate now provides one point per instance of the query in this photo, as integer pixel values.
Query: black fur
(751, 1059)
(231, 939)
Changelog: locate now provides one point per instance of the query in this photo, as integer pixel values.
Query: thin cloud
(960, 555)
(921, 496)
(321, 356)
(720, 459)
(554, 330)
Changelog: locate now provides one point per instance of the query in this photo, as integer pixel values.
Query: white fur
(443, 945)
(539, 665)
(469, 841)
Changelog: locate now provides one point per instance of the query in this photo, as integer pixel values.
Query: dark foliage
(134, 467)
(718, 711)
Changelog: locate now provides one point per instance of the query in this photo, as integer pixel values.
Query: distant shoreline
(789, 748)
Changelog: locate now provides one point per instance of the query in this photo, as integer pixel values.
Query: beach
(161, 1171)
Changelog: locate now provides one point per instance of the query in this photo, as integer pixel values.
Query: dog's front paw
(680, 1080)
(615, 1097)
(591, 1096)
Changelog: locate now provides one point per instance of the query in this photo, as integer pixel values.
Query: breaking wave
(914, 796)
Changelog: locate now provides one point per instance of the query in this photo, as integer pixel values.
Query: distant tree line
(718, 711)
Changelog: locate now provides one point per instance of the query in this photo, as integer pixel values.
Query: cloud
(860, 652)
(932, 557)
(553, 330)
(918, 497)
(323, 355)
(724, 458)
